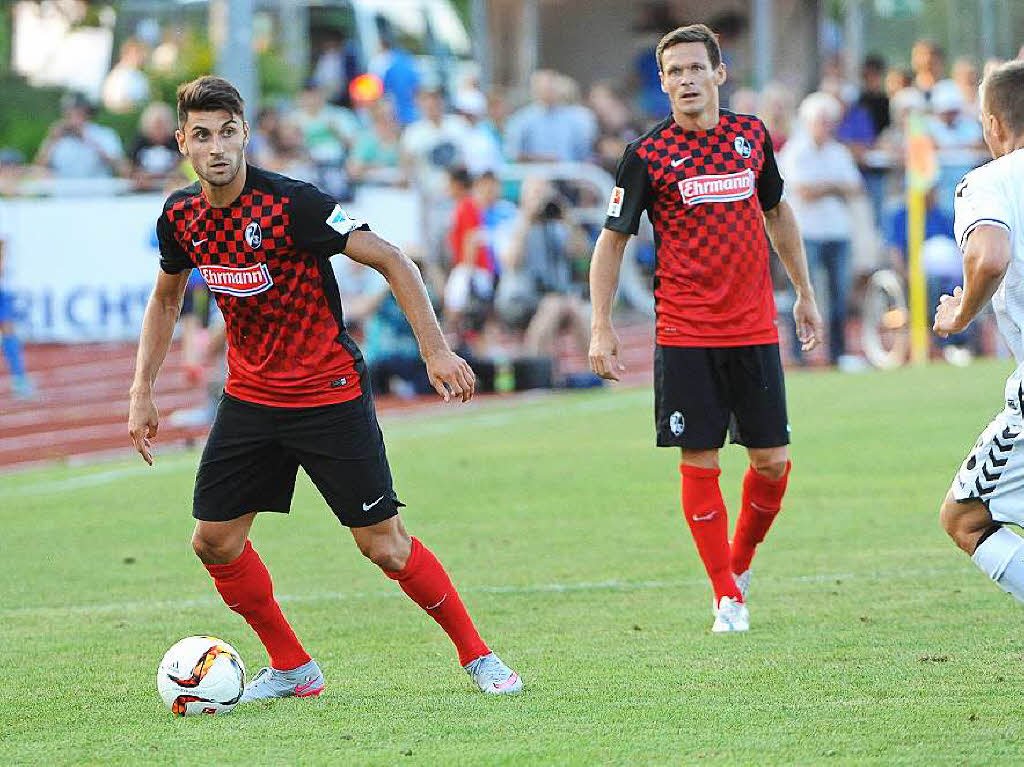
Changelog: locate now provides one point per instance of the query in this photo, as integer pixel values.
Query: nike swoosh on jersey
(679, 161)
(197, 243)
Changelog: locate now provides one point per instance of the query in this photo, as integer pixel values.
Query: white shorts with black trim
(993, 471)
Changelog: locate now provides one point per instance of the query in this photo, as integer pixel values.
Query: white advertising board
(81, 269)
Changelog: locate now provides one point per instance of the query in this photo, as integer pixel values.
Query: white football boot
(306, 681)
(731, 616)
(743, 581)
(493, 677)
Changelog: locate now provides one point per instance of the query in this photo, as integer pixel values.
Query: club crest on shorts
(254, 235)
(742, 146)
(676, 423)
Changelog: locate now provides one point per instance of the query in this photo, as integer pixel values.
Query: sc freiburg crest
(253, 235)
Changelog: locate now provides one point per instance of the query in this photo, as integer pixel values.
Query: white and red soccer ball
(201, 675)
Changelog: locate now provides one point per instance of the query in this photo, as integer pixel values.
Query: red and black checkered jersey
(704, 193)
(265, 257)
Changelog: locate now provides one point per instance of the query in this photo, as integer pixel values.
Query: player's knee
(213, 551)
(962, 526)
(388, 553)
(771, 468)
(702, 459)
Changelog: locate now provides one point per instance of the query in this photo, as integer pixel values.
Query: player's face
(689, 79)
(214, 142)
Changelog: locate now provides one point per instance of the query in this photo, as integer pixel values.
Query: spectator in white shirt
(949, 127)
(76, 147)
(481, 149)
(430, 146)
(821, 178)
(126, 86)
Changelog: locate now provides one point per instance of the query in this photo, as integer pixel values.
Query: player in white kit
(989, 220)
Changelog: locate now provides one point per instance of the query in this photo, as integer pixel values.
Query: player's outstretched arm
(780, 223)
(986, 260)
(449, 374)
(604, 281)
(157, 331)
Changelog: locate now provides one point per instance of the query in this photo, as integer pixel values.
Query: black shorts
(700, 393)
(254, 451)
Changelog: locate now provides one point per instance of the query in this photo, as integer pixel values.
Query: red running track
(81, 404)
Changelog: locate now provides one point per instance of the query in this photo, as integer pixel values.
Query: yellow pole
(922, 169)
(916, 276)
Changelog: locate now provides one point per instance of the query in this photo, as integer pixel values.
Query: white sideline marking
(93, 480)
(540, 588)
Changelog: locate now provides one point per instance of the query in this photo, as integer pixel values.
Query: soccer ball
(200, 675)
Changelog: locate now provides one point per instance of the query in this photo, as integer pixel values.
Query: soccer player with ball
(709, 182)
(297, 392)
(988, 490)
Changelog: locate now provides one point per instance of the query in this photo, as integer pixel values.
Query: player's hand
(143, 421)
(604, 354)
(809, 327)
(947, 313)
(450, 375)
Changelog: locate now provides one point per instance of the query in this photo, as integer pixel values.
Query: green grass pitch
(873, 639)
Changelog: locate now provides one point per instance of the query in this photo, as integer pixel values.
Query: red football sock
(762, 500)
(426, 583)
(247, 589)
(705, 513)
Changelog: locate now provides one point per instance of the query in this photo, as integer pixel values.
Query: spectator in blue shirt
(397, 70)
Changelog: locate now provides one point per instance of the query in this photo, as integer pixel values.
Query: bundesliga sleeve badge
(341, 222)
(615, 203)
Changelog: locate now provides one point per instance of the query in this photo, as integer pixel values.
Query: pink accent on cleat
(306, 691)
(507, 683)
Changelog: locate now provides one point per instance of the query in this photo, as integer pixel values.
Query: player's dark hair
(692, 33)
(208, 94)
(1003, 94)
(873, 62)
(460, 176)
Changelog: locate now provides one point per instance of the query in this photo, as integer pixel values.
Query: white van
(430, 30)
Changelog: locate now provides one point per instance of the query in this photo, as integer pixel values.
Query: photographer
(76, 147)
(536, 292)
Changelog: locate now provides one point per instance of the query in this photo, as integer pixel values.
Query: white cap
(470, 102)
(908, 99)
(946, 97)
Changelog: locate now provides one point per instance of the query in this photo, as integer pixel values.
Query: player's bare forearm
(604, 275)
(985, 263)
(782, 228)
(157, 331)
(780, 223)
(604, 280)
(448, 373)
(406, 283)
(158, 328)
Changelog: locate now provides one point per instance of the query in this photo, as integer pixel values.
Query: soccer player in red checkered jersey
(297, 392)
(709, 183)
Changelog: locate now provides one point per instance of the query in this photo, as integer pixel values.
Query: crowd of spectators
(843, 159)
(504, 256)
